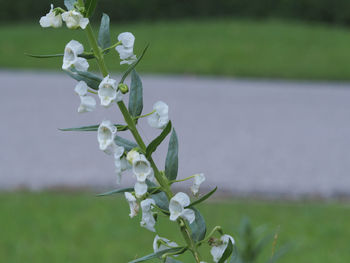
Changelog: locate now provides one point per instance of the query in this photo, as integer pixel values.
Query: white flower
(177, 208)
(160, 118)
(158, 244)
(126, 50)
(161, 243)
(148, 220)
(51, 19)
(75, 19)
(218, 251)
(107, 91)
(198, 179)
(118, 162)
(132, 155)
(141, 167)
(105, 136)
(71, 58)
(140, 189)
(87, 103)
(134, 207)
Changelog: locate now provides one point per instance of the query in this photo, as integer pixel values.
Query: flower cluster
(151, 193)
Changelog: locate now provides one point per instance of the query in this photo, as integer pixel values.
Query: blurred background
(259, 94)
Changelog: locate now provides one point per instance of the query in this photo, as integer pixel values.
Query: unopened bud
(123, 88)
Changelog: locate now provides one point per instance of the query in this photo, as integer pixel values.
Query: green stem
(162, 180)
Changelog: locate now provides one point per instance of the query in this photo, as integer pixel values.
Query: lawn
(78, 227)
(238, 48)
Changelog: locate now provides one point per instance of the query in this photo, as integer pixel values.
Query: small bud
(123, 88)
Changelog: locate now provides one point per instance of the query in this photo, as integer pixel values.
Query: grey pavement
(247, 136)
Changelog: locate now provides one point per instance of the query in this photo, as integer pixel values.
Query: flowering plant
(152, 192)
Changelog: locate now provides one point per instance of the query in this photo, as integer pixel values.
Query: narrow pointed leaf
(69, 4)
(133, 65)
(44, 56)
(104, 37)
(203, 198)
(136, 96)
(171, 162)
(227, 252)
(94, 128)
(117, 191)
(161, 200)
(92, 80)
(157, 141)
(90, 6)
(128, 145)
(198, 227)
(158, 254)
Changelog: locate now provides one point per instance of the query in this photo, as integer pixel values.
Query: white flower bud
(197, 181)
(105, 136)
(159, 246)
(87, 103)
(148, 220)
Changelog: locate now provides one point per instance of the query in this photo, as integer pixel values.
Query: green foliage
(203, 198)
(158, 140)
(172, 159)
(227, 253)
(94, 128)
(92, 80)
(330, 11)
(128, 145)
(68, 3)
(104, 36)
(158, 254)
(90, 6)
(198, 226)
(135, 96)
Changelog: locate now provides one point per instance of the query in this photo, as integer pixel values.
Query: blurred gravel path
(246, 136)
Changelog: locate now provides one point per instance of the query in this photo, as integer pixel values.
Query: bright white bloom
(107, 91)
(133, 154)
(51, 19)
(177, 208)
(134, 207)
(75, 19)
(141, 168)
(158, 244)
(140, 189)
(160, 118)
(105, 136)
(218, 251)
(87, 103)
(197, 180)
(126, 49)
(71, 58)
(148, 220)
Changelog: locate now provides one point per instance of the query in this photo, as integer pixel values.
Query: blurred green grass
(228, 47)
(78, 227)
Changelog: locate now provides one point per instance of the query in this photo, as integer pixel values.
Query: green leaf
(84, 55)
(171, 162)
(171, 260)
(44, 56)
(198, 227)
(158, 254)
(94, 128)
(133, 65)
(117, 191)
(92, 80)
(90, 6)
(135, 97)
(123, 190)
(104, 37)
(161, 200)
(227, 252)
(128, 145)
(203, 198)
(69, 4)
(157, 141)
